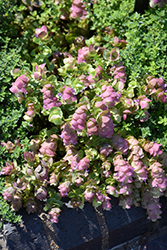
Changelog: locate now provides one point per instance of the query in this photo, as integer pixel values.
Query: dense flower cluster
(83, 53)
(68, 94)
(109, 96)
(78, 121)
(68, 135)
(78, 9)
(30, 112)
(49, 146)
(105, 124)
(49, 100)
(39, 72)
(89, 140)
(19, 87)
(118, 71)
(157, 88)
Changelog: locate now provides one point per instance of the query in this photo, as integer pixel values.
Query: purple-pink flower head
(158, 176)
(68, 135)
(83, 53)
(68, 94)
(8, 169)
(154, 209)
(105, 150)
(160, 3)
(140, 169)
(29, 156)
(53, 180)
(19, 86)
(120, 144)
(40, 71)
(106, 205)
(106, 126)
(124, 172)
(49, 147)
(144, 102)
(30, 112)
(64, 188)
(153, 148)
(109, 96)
(79, 118)
(49, 100)
(101, 105)
(8, 193)
(54, 214)
(92, 127)
(41, 32)
(89, 194)
(118, 71)
(119, 43)
(78, 9)
(83, 164)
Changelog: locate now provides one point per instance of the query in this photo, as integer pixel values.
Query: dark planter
(87, 229)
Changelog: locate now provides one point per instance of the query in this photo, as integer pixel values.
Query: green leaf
(56, 115)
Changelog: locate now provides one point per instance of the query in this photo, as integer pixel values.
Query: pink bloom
(49, 100)
(19, 86)
(92, 127)
(68, 94)
(29, 156)
(106, 205)
(105, 150)
(83, 53)
(64, 188)
(8, 169)
(79, 118)
(123, 170)
(78, 182)
(68, 135)
(120, 144)
(105, 125)
(88, 195)
(54, 179)
(8, 193)
(109, 96)
(154, 210)
(78, 9)
(54, 214)
(42, 32)
(49, 147)
(153, 148)
(144, 101)
(30, 112)
(40, 71)
(83, 164)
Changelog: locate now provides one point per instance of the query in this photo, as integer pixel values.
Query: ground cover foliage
(83, 105)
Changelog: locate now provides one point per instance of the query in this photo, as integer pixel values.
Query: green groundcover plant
(93, 103)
